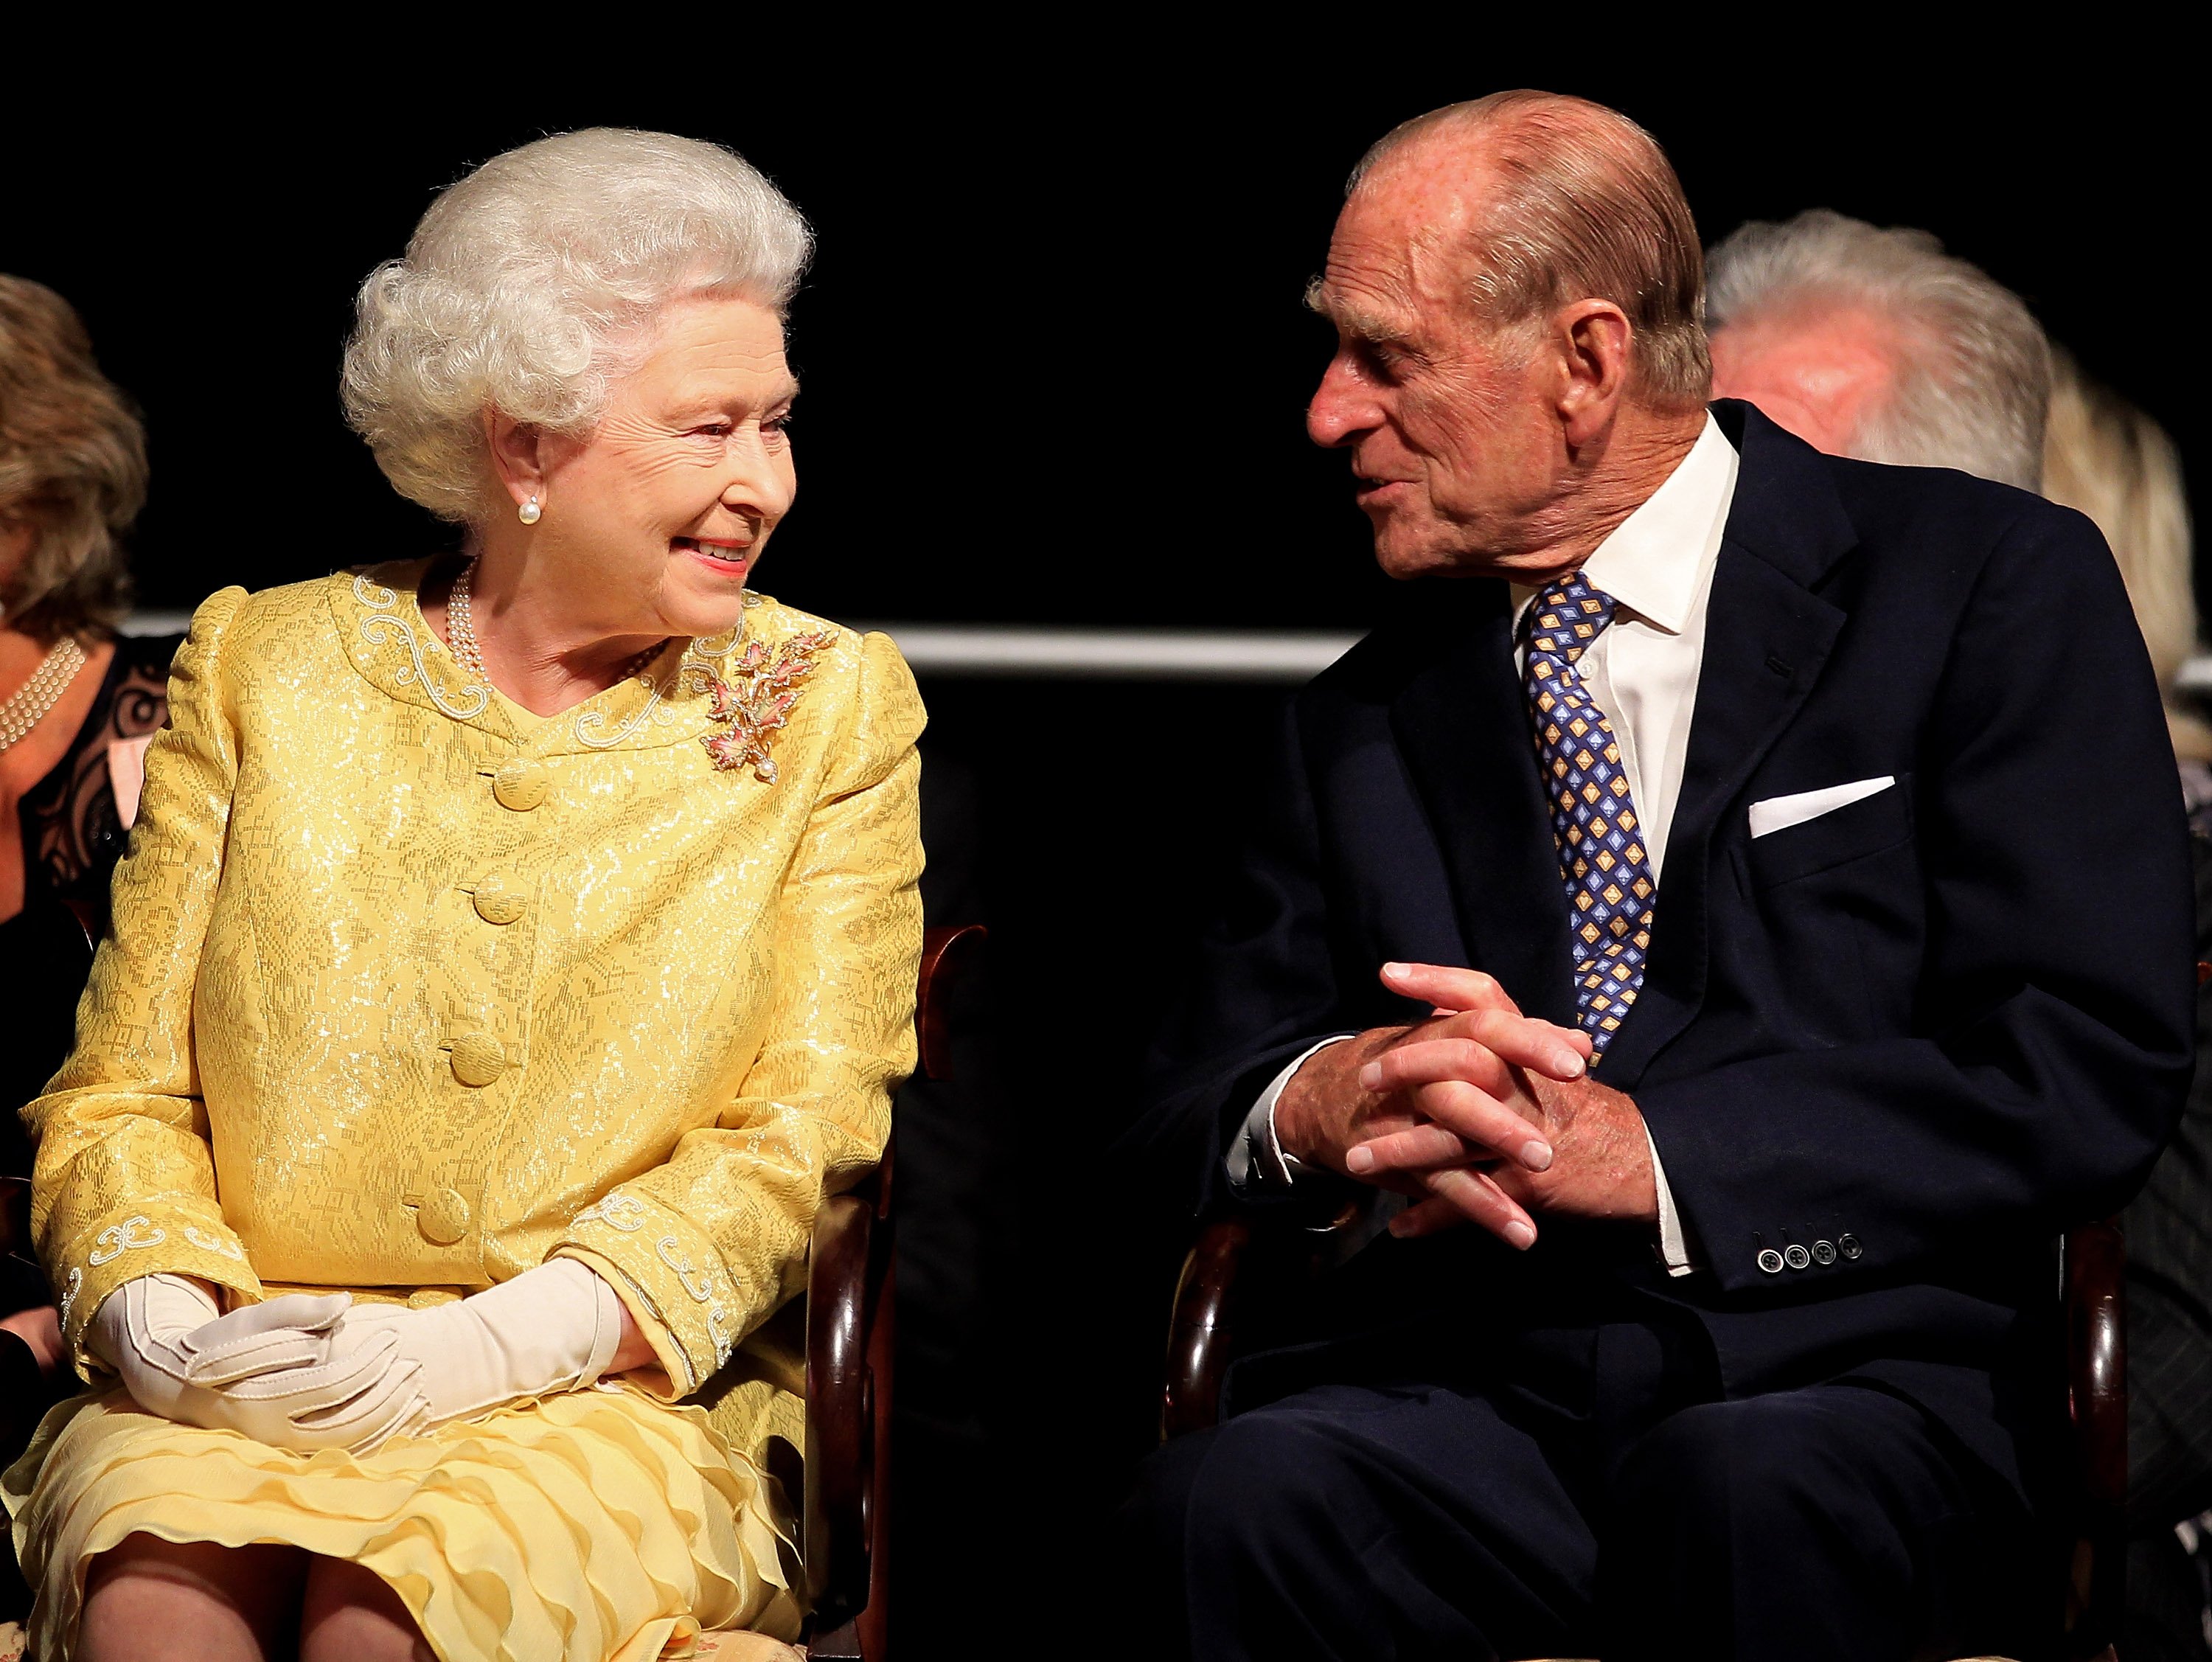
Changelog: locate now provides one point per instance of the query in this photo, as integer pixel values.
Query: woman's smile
(723, 557)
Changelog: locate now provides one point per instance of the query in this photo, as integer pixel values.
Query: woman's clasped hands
(309, 1372)
(276, 1372)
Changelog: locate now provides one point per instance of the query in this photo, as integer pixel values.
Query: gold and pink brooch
(757, 698)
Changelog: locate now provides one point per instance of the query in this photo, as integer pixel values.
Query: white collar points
(1653, 563)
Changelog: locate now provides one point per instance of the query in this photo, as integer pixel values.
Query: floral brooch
(757, 698)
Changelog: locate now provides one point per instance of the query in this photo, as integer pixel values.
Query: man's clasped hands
(311, 1371)
(1478, 1112)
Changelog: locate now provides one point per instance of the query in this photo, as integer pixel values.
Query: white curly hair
(533, 283)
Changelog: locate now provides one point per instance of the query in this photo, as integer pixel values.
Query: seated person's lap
(1353, 1520)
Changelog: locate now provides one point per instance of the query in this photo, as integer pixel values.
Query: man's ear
(518, 454)
(1593, 337)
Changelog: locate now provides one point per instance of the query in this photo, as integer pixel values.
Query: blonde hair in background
(72, 463)
(535, 282)
(2106, 457)
(1586, 206)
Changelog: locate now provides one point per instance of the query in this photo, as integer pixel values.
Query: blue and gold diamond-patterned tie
(1602, 859)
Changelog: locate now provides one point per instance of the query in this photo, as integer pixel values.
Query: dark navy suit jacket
(1945, 1021)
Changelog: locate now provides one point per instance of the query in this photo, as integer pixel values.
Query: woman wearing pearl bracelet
(511, 952)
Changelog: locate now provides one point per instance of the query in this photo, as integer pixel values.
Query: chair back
(851, 1337)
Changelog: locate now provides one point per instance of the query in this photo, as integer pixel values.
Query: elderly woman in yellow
(510, 953)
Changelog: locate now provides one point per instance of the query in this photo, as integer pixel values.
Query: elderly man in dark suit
(1728, 927)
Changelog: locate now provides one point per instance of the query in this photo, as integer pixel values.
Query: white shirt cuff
(1674, 1245)
(1256, 1155)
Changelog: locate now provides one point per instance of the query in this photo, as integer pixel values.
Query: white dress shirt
(1657, 565)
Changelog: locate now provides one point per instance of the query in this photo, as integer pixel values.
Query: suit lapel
(1767, 636)
(1462, 728)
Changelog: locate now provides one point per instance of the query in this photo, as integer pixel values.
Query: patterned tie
(1602, 860)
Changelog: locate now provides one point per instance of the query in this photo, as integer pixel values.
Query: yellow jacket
(405, 994)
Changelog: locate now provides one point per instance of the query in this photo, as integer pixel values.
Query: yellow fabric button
(443, 1218)
(498, 901)
(519, 785)
(478, 1059)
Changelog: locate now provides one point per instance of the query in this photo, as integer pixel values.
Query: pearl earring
(530, 513)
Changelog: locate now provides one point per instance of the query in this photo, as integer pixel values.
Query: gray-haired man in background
(1875, 343)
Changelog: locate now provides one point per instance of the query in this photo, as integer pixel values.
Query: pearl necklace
(29, 703)
(461, 628)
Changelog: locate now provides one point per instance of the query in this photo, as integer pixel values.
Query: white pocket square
(1780, 812)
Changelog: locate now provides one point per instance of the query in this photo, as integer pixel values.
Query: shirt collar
(1653, 563)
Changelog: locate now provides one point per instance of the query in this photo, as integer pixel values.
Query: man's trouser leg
(1354, 1522)
(1832, 1522)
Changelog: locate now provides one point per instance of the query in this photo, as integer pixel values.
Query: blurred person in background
(1875, 343)
(2110, 459)
(513, 949)
(78, 703)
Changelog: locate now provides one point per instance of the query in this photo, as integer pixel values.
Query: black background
(1054, 364)
(1052, 348)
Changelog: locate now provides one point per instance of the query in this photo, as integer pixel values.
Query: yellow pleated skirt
(598, 1527)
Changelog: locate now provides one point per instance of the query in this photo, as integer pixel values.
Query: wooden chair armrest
(946, 955)
(838, 1411)
(851, 1343)
(2097, 1404)
(1201, 1331)
(1242, 1266)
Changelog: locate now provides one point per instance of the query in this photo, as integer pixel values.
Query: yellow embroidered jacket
(404, 999)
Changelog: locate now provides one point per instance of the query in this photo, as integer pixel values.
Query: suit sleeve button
(1771, 1261)
(1824, 1253)
(1848, 1245)
(1797, 1257)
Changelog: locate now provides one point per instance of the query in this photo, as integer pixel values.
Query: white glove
(274, 1371)
(552, 1329)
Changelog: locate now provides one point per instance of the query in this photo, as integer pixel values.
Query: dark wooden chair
(1239, 1261)
(850, 1295)
(849, 1339)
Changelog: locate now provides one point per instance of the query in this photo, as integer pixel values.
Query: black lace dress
(72, 837)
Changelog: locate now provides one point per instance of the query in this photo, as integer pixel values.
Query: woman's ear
(517, 455)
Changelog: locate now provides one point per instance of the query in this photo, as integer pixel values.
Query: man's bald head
(1559, 199)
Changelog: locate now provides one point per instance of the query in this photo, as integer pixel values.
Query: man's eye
(778, 423)
(1373, 361)
(713, 429)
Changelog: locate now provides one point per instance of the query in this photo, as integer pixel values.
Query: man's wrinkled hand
(1463, 1061)
(1599, 1165)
